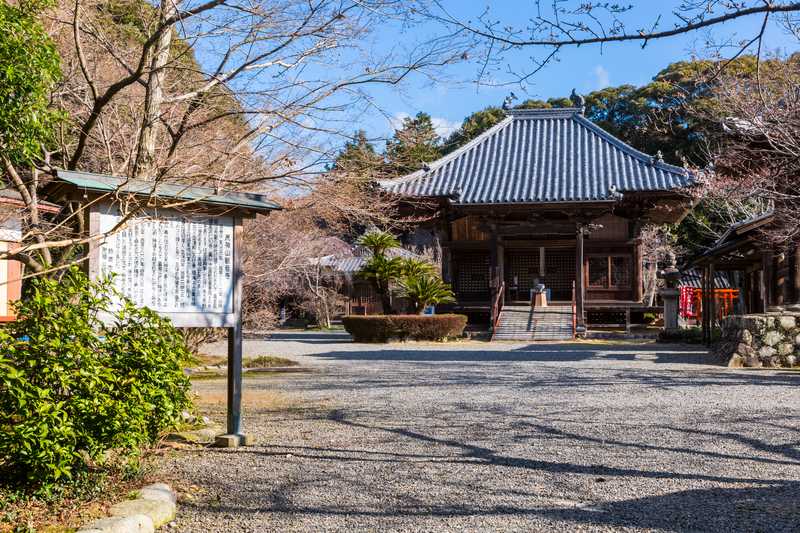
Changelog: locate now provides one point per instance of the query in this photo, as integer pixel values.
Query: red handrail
(497, 306)
(574, 311)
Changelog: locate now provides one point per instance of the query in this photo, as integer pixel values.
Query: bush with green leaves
(424, 289)
(30, 67)
(82, 380)
(404, 327)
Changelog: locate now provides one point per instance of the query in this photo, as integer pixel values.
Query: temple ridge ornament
(508, 101)
(578, 100)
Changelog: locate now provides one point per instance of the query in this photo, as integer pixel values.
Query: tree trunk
(154, 97)
(651, 284)
(386, 298)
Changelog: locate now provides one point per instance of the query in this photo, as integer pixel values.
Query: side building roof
(354, 261)
(103, 183)
(541, 155)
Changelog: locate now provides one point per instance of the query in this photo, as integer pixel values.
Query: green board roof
(206, 195)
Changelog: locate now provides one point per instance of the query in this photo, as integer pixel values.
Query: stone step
(520, 322)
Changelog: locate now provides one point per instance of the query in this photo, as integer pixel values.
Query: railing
(574, 312)
(497, 306)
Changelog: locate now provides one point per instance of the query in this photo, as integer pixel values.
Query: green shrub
(426, 289)
(692, 335)
(75, 390)
(403, 327)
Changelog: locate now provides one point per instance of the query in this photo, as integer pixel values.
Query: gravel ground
(501, 437)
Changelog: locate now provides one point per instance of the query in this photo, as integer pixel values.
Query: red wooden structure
(691, 302)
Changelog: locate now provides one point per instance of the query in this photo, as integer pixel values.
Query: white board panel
(171, 263)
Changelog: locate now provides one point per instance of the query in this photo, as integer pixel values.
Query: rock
(775, 362)
(754, 323)
(790, 360)
(745, 350)
(204, 435)
(753, 362)
(787, 322)
(737, 361)
(785, 348)
(766, 352)
(159, 492)
(135, 523)
(227, 441)
(160, 512)
(797, 340)
(771, 338)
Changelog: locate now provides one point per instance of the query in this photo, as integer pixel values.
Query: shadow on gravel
(541, 353)
(763, 508)
(760, 505)
(770, 507)
(471, 452)
(310, 337)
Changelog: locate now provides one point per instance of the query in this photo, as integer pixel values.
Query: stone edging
(155, 505)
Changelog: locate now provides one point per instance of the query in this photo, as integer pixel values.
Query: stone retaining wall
(769, 340)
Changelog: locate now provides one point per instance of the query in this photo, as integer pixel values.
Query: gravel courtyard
(500, 437)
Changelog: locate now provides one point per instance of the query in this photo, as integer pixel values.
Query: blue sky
(586, 68)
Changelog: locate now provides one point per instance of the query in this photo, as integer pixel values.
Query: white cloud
(602, 77)
(442, 126)
(397, 120)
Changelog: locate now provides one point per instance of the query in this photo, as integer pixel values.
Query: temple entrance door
(559, 270)
(521, 272)
(471, 276)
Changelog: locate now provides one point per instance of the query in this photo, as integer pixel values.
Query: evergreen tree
(358, 158)
(413, 144)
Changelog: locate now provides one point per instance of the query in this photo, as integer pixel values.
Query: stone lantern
(669, 294)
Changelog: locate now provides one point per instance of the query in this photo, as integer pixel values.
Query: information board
(171, 263)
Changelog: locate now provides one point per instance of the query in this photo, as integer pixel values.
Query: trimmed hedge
(383, 328)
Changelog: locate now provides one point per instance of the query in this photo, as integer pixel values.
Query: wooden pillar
(707, 304)
(703, 305)
(638, 289)
(794, 269)
(542, 262)
(745, 295)
(712, 300)
(580, 317)
(447, 265)
(501, 262)
(767, 279)
(493, 264)
(781, 282)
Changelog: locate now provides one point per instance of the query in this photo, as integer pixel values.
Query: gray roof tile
(541, 155)
(105, 183)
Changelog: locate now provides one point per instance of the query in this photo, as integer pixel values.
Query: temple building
(544, 198)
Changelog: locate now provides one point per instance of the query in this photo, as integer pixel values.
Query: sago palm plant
(426, 289)
(417, 267)
(378, 242)
(382, 271)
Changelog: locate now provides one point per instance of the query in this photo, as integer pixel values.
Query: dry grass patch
(215, 401)
(268, 361)
(259, 361)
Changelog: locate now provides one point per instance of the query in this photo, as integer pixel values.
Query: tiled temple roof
(541, 155)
